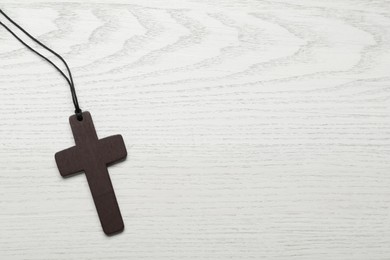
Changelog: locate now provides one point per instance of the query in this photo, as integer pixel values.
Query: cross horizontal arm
(112, 149)
(68, 161)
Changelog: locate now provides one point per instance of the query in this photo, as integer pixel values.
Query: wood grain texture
(254, 129)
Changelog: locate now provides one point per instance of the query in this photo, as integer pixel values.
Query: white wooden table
(255, 129)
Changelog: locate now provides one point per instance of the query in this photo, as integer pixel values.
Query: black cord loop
(68, 78)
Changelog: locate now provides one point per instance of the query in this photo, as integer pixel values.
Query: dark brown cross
(92, 156)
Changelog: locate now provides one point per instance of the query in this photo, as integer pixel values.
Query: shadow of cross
(92, 156)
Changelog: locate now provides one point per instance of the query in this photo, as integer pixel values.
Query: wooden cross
(92, 156)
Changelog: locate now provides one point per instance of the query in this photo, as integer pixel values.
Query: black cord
(77, 111)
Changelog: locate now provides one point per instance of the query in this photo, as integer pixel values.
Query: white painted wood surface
(255, 129)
